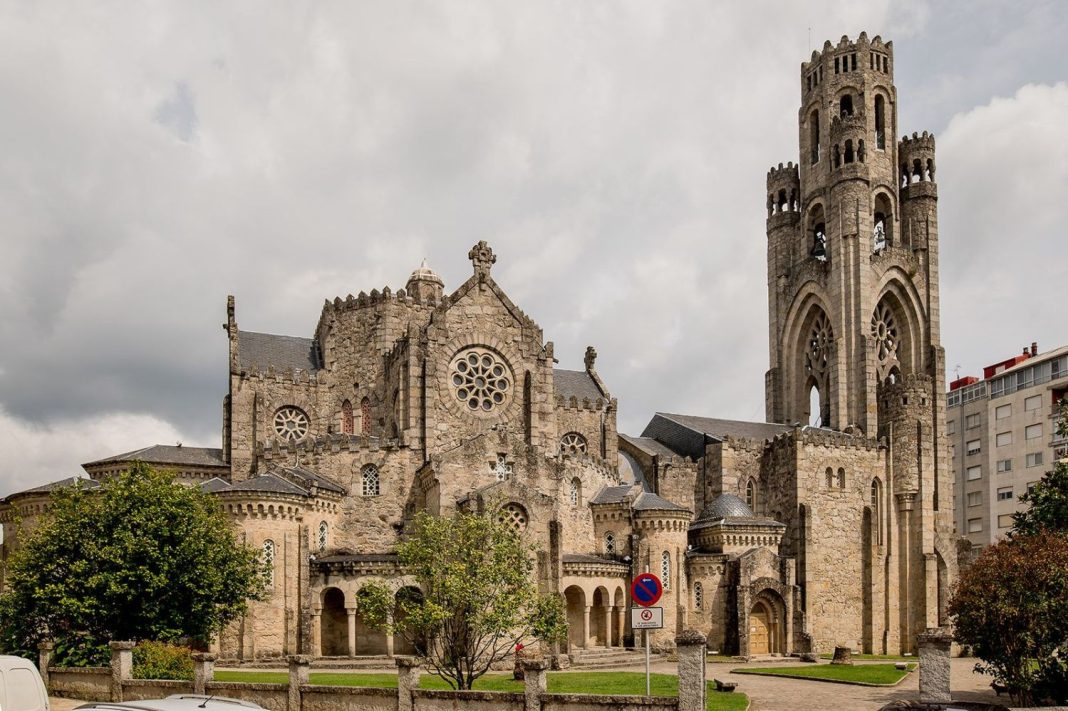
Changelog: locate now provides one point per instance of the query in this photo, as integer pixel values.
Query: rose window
(884, 331)
(573, 443)
(290, 423)
(480, 380)
(819, 347)
(514, 515)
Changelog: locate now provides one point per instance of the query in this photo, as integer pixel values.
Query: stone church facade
(829, 524)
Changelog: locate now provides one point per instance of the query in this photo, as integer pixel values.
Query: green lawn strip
(861, 674)
(627, 683)
(875, 657)
(722, 659)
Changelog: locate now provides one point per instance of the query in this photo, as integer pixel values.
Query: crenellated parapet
(917, 159)
(836, 62)
(254, 372)
(784, 193)
(574, 403)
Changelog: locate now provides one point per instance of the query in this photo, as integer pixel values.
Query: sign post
(645, 591)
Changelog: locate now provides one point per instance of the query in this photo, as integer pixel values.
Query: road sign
(647, 618)
(646, 589)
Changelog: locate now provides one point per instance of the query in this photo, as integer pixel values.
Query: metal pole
(647, 690)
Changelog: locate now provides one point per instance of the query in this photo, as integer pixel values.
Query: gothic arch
(808, 340)
(897, 328)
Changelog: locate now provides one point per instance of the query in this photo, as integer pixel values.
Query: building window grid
(975, 498)
(1034, 459)
(1004, 465)
(1033, 431)
(972, 421)
(1005, 493)
(975, 525)
(974, 446)
(1003, 439)
(973, 473)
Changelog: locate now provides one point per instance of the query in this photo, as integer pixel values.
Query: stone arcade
(773, 537)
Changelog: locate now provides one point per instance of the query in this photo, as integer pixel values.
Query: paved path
(58, 704)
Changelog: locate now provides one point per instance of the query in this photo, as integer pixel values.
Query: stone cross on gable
(483, 258)
(502, 468)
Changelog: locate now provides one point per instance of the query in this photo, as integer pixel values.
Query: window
(877, 509)
(347, 420)
(974, 446)
(1033, 431)
(750, 495)
(975, 498)
(514, 515)
(290, 423)
(575, 494)
(975, 525)
(1033, 403)
(665, 570)
(1003, 411)
(371, 481)
(1004, 465)
(1004, 493)
(365, 417)
(841, 478)
(1031, 487)
(1003, 438)
(973, 421)
(267, 561)
(610, 543)
(324, 531)
(830, 478)
(573, 443)
(501, 469)
(1005, 521)
(974, 473)
(1034, 459)
(480, 380)
(698, 596)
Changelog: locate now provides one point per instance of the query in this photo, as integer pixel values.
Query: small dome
(425, 273)
(726, 506)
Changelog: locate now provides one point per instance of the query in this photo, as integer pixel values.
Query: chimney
(1034, 348)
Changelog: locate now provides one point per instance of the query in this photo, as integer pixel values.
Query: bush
(159, 660)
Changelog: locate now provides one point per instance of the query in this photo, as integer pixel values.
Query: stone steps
(600, 657)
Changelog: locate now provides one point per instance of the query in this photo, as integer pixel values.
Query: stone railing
(116, 683)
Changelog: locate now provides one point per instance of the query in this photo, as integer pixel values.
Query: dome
(726, 506)
(425, 273)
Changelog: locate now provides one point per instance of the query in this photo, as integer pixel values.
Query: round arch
(767, 623)
(575, 601)
(333, 621)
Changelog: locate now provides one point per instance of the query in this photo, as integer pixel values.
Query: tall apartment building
(1003, 430)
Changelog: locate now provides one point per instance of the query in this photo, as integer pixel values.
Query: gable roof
(263, 350)
(78, 481)
(214, 484)
(169, 454)
(688, 434)
(648, 501)
(649, 445)
(575, 383)
(269, 484)
(308, 478)
(611, 495)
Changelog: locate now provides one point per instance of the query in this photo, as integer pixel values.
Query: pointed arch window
(371, 481)
(817, 367)
(365, 417)
(880, 123)
(347, 418)
(750, 495)
(665, 569)
(885, 332)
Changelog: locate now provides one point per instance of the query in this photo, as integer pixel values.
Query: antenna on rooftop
(956, 372)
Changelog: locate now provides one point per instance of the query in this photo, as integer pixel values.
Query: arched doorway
(760, 641)
(334, 624)
(576, 614)
(405, 644)
(766, 623)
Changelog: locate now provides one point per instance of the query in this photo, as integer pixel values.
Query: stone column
(621, 620)
(535, 683)
(690, 645)
(351, 612)
(930, 580)
(44, 660)
(586, 627)
(389, 635)
(316, 632)
(607, 626)
(299, 666)
(121, 667)
(203, 671)
(934, 665)
(408, 671)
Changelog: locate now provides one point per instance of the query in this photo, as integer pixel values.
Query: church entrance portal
(760, 629)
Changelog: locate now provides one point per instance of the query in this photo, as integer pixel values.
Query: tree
(139, 558)
(479, 599)
(1011, 606)
(1048, 500)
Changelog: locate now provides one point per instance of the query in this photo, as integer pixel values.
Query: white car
(175, 702)
(21, 688)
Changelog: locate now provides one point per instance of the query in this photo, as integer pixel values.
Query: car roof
(175, 702)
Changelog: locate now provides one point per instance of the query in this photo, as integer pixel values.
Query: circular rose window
(513, 515)
(290, 423)
(480, 380)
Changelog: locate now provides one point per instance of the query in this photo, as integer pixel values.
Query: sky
(158, 156)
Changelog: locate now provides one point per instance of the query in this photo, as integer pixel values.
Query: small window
(513, 515)
(501, 469)
(1034, 459)
(1004, 465)
(750, 495)
(974, 473)
(974, 446)
(1033, 403)
(698, 596)
(951, 427)
(1004, 493)
(972, 421)
(267, 561)
(841, 478)
(975, 498)
(1003, 411)
(1033, 431)
(975, 525)
(1031, 487)
(573, 443)
(665, 570)
(575, 493)
(371, 481)
(1003, 439)
(324, 533)
(347, 418)
(610, 543)
(1005, 521)
(830, 478)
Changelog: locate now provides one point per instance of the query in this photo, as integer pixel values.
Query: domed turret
(726, 506)
(424, 285)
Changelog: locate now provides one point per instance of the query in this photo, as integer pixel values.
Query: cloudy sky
(158, 156)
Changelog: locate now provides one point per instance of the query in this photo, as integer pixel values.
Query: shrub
(159, 660)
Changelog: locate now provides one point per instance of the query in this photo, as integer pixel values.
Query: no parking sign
(646, 589)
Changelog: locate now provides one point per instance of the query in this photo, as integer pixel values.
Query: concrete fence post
(203, 671)
(408, 671)
(535, 683)
(121, 666)
(44, 660)
(690, 647)
(299, 666)
(934, 647)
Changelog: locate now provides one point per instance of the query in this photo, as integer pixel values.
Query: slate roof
(727, 506)
(282, 352)
(648, 501)
(687, 434)
(270, 484)
(309, 478)
(169, 454)
(611, 495)
(214, 484)
(650, 446)
(53, 486)
(577, 383)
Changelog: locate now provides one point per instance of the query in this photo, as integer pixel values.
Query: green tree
(139, 558)
(479, 599)
(1011, 606)
(1048, 500)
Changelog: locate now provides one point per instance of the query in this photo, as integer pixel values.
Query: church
(828, 524)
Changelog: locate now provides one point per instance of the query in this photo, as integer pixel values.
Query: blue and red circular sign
(646, 590)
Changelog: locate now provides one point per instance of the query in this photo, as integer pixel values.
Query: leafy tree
(139, 558)
(479, 598)
(1011, 606)
(1048, 500)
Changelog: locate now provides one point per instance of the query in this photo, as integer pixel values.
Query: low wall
(270, 696)
(86, 683)
(592, 702)
(427, 700)
(347, 698)
(138, 689)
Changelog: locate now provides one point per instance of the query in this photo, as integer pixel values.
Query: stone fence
(116, 683)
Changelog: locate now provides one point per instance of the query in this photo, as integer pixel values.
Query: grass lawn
(559, 682)
(876, 657)
(722, 659)
(880, 674)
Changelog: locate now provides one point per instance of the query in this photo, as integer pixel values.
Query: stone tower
(853, 304)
